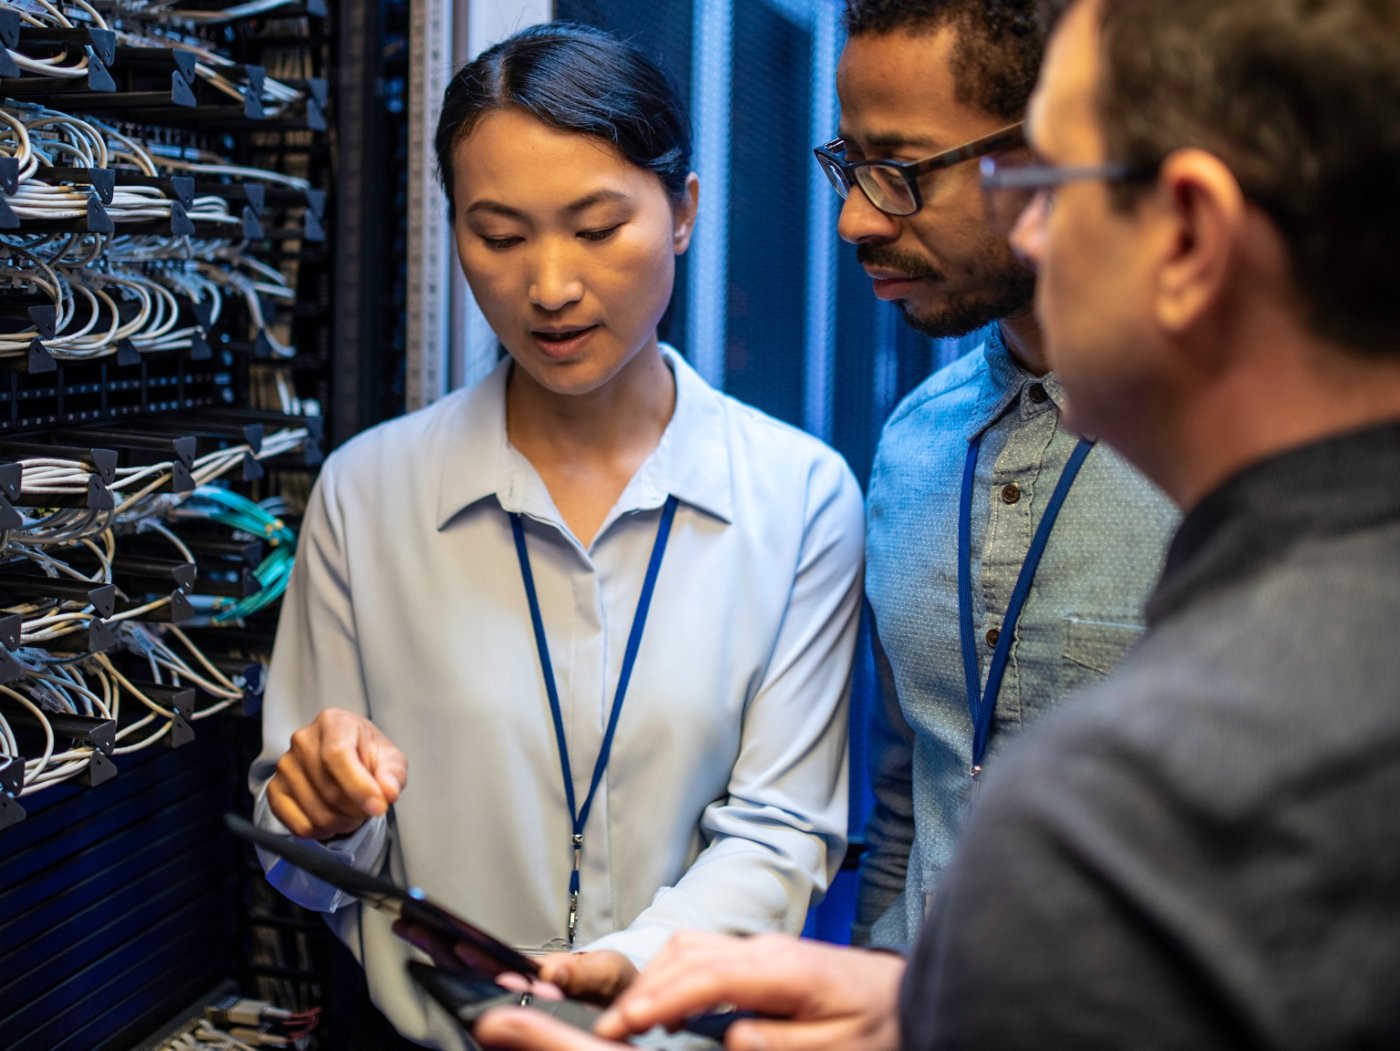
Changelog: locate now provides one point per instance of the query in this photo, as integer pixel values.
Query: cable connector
(240, 1011)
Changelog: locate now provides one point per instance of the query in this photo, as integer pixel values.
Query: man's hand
(519, 1027)
(811, 995)
(340, 771)
(598, 977)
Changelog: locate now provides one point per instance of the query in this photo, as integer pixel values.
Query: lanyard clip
(577, 841)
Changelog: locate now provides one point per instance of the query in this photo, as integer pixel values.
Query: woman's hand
(598, 977)
(340, 771)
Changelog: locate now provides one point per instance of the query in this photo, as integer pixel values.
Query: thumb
(517, 1027)
(558, 969)
(385, 762)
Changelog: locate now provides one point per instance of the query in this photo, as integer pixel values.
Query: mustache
(887, 258)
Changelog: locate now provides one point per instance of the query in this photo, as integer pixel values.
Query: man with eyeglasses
(1202, 851)
(1007, 560)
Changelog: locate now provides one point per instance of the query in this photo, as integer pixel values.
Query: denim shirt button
(992, 635)
(1010, 493)
(1037, 393)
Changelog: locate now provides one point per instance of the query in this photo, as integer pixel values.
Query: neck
(1287, 400)
(624, 418)
(1021, 333)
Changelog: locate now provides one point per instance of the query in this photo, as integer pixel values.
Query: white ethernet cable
(51, 15)
(202, 162)
(14, 142)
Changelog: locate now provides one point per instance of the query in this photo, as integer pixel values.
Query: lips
(562, 342)
(889, 285)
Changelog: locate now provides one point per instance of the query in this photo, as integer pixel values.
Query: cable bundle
(212, 67)
(259, 520)
(136, 490)
(92, 293)
(129, 284)
(90, 303)
(94, 688)
(93, 685)
(45, 620)
(89, 277)
(50, 541)
(41, 13)
(165, 11)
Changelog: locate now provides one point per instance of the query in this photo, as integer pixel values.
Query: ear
(1207, 212)
(684, 213)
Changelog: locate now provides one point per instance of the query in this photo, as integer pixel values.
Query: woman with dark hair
(482, 584)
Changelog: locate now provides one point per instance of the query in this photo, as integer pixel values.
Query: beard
(996, 286)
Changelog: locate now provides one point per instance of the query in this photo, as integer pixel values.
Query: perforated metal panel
(118, 903)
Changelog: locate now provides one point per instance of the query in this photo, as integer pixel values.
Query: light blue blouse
(724, 805)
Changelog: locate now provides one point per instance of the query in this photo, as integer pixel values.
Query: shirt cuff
(361, 849)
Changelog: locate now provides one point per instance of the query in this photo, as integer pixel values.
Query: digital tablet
(452, 937)
(467, 999)
(466, 958)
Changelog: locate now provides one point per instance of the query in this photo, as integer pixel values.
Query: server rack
(229, 236)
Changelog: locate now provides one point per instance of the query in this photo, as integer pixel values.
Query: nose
(555, 282)
(1028, 232)
(861, 222)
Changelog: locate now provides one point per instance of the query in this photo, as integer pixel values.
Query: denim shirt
(1083, 611)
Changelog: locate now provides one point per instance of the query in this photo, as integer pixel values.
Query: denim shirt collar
(1331, 486)
(1003, 381)
(692, 460)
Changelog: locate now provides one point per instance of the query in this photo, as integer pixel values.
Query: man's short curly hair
(1000, 43)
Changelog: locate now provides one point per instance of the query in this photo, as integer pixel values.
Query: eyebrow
(573, 207)
(894, 140)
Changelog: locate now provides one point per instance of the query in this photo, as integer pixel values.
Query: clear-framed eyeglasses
(1011, 185)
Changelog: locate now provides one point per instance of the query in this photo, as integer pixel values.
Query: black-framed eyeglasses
(1011, 185)
(893, 186)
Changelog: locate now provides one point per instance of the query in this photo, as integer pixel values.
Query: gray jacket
(1205, 851)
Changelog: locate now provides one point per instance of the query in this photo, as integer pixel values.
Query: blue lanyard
(629, 658)
(982, 703)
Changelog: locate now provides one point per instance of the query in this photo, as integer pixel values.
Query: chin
(944, 323)
(1116, 413)
(572, 378)
(954, 316)
(563, 377)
